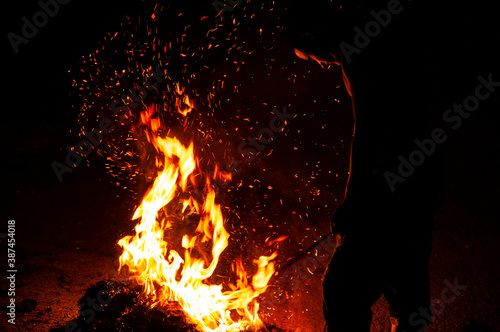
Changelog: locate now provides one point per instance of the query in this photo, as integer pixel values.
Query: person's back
(386, 216)
(390, 80)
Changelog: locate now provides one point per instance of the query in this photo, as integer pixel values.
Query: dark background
(67, 231)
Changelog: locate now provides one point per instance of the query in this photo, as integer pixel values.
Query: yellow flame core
(167, 276)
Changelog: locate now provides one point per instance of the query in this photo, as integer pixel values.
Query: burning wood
(124, 308)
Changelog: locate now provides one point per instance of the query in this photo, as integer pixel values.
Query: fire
(168, 274)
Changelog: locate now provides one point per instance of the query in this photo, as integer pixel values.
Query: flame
(184, 111)
(167, 274)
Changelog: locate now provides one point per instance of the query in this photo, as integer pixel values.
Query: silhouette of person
(396, 179)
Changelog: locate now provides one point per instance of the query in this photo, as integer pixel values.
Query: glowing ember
(168, 274)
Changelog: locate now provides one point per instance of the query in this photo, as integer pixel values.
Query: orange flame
(185, 100)
(162, 271)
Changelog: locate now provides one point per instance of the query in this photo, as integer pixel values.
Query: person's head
(312, 28)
